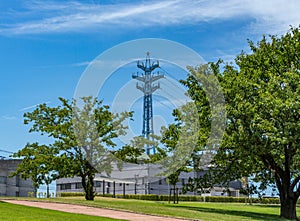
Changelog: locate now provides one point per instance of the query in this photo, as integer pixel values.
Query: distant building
(140, 179)
(13, 186)
(132, 178)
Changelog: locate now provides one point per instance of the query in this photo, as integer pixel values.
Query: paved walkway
(92, 211)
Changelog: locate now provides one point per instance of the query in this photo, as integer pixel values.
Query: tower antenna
(148, 86)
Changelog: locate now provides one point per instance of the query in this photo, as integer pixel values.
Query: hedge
(191, 198)
(68, 194)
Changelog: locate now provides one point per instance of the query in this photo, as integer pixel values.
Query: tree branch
(279, 183)
(295, 181)
(298, 192)
(270, 162)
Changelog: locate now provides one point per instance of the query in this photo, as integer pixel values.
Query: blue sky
(46, 45)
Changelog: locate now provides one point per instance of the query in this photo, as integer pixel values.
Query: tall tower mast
(148, 87)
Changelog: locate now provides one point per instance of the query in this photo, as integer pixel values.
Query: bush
(270, 201)
(187, 198)
(191, 198)
(68, 194)
(30, 194)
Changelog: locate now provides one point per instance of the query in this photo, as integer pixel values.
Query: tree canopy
(39, 164)
(82, 133)
(262, 93)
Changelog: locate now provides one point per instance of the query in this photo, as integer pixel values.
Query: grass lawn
(193, 210)
(11, 212)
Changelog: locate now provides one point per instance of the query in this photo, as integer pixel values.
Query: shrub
(68, 194)
(30, 194)
(191, 198)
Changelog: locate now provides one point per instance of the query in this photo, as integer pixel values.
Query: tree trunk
(35, 192)
(288, 208)
(87, 181)
(174, 189)
(89, 192)
(48, 192)
(288, 198)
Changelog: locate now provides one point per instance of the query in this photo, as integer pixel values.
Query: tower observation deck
(148, 86)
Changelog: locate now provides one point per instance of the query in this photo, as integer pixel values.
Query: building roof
(107, 179)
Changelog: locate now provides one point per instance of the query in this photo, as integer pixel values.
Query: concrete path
(93, 211)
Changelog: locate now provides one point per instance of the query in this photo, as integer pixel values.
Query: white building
(132, 179)
(140, 179)
(13, 186)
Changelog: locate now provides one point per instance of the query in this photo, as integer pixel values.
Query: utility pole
(6, 152)
(148, 87)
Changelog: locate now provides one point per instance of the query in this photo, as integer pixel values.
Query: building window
(65, 186)
(78, 185)
(2, 179)
(17, 194)
(160, 182)
(98, 184)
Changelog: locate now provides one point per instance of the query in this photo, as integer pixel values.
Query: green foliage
(263, 114)
(206, 93)
(134, 152)
(39, 163)
(129, 154)
(31, 194)
(263, 132)
(69, 194)
(170, 140)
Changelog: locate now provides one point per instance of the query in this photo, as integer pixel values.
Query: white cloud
(76, 64)
(272, 16)
(6, 117)
(275, 16)
(79, 64)
(32, 106)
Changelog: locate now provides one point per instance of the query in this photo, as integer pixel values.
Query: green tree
(135, 151)
(170, 138)
(82, 133)
(207, 96)
(165, 146)
(262, 137)
(38, 164)
(129, 154)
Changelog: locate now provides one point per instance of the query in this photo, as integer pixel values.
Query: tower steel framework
(148, 86)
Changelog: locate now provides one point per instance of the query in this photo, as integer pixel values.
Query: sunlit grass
(12, 212)
(192, 210)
